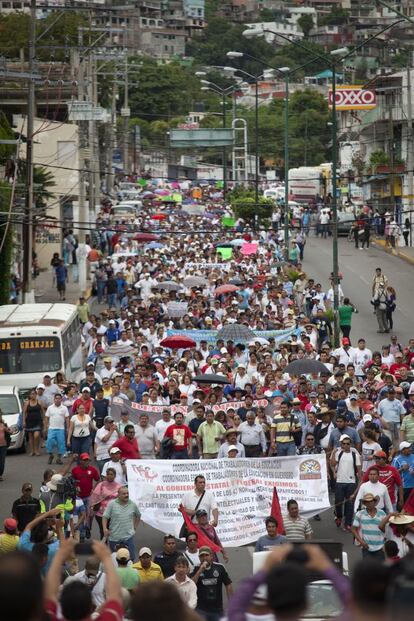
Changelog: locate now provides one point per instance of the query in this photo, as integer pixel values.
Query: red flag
(203, 539)
(276, 513)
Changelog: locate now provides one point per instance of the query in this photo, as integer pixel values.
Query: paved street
(357, 267)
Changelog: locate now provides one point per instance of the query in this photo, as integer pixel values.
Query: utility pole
(28, 292)
(410, 146)
(111, 136)
(82, 132)
(125, 112)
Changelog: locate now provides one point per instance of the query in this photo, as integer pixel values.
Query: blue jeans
(179, 454)
(56, 439)
(129, 544)
(81, 445)
(100, 286)
(285, 449)
(343, 492)
(112, 300)
(3, 451)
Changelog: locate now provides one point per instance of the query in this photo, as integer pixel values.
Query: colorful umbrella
(153, 245)
(238, 242)
(159, 216)
(178, 342)
(145, 237)
(225, 289)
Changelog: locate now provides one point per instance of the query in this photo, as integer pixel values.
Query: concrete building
(286, 29)
(55, 148)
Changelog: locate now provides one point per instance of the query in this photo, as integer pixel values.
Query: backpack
(67, 487)
(297, 435)
(354, 461)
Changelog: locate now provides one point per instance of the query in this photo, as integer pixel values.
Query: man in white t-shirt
(360, 357)
(191, 500)
(162, 425)
(55, 420)
(104, 439)
(378, 489)
(117, 464)
(346, 465)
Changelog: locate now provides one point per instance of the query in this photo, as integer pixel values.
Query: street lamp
(223, 92)
(256, 123)
(285, 72)
(344, 53)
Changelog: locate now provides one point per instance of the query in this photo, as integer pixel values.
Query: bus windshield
(30, 355)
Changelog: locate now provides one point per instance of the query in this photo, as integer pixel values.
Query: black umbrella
(211, 378)
(305, 366)
(236, 332)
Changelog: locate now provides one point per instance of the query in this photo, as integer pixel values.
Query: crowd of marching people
(207, 346)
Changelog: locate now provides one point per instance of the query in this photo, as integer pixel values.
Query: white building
(286, 29)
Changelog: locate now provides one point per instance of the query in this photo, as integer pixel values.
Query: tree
(336, 17)
(305, 23)
(246, 208)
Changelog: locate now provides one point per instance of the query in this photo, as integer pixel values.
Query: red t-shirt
(129, 448)
(389, 476)
(110, 611)
(394, 368)
(85, 477)
(181, 434)
(88, 405)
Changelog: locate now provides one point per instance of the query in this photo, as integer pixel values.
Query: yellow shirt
(8, 543)
(154, 572)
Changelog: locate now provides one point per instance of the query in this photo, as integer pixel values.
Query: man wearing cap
(9, 540)
(120, 521)
(86, 400)
(407, 426)
(108, 369)
(104, 439)
(392, 411)
(389, 476)
(116, 463)
(210, 531)
(146, 568)
(210, 578)
(368, 528)
(232, 440)
(209, 436)
(404, 462)
(25, 508)
(375, 487)
(128, 576)
(345, 462)
(56, 417)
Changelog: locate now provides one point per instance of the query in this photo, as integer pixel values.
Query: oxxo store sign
(353, 98)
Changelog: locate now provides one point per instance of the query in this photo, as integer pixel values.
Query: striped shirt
(297, 529)
(122, 519)
(282, 424)
(369, 528)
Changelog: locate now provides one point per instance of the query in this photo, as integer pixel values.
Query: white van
(11, 409)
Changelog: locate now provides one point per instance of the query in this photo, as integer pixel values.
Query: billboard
(353, 98)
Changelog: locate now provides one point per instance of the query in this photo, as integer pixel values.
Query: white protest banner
(243, 489)
(235, 405)
(177, 309)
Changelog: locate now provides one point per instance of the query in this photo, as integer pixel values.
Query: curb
(395, 252)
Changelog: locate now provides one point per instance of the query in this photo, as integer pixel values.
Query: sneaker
(59, 460)
(347, 529)
(317, 518)
(338, 522)
(50, 460)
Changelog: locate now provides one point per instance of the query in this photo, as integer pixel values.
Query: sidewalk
(45, 289)
(406, 253)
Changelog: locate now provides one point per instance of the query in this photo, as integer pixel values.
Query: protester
(272, 538)
(185, 586)
(168, 557)
(25, 508)
(120, 521)
(296, 527)
(146, 568)
(210, 577)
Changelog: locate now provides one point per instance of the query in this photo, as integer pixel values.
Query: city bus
(36, 339)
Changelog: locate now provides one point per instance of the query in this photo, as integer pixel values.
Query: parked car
(345, 221)
(11, 407)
